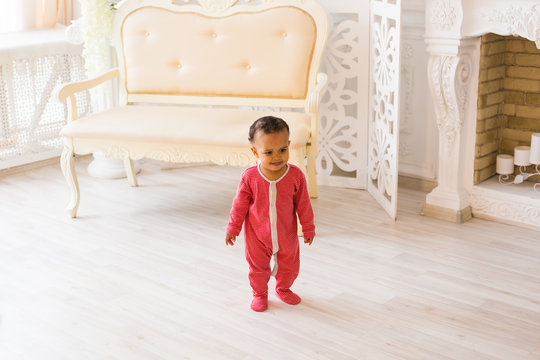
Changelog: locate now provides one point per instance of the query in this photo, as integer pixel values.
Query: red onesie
(268, 209)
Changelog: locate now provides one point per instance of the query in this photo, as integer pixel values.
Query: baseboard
(30, 166)
(36, 165)
(414, 183)
(455, 216)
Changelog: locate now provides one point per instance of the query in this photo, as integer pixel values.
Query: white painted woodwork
(453, 30)
(144, 274)
(383, 129)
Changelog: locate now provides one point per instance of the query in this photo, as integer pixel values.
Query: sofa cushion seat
(181, 124)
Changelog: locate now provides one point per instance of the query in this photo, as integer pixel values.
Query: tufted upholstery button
(284, 34)
(214, 35)
(248, 67)
(147, 34)
(179, 65)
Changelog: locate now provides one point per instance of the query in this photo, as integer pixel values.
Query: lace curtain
(32, 64)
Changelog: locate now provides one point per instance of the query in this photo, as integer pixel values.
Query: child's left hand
(308, 240)
(230, 239)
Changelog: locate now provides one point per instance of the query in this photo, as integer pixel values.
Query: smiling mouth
(276, 163)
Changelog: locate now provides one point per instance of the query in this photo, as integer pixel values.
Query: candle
(505, 164)
(534, 157)
(521, 155)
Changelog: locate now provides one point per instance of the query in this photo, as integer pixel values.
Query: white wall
(418, 129)
(76, 9)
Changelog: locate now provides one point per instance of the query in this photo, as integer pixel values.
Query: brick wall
(508, 99)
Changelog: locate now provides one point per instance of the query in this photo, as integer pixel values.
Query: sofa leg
(67, 163)
(130, 172)
(298, 159)
(312, 176)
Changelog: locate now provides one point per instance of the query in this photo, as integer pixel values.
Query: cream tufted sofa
(193, 78)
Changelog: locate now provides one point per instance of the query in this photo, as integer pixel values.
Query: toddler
(269, 196)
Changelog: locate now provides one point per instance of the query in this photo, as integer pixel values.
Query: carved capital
(442, 70)
(443, 14)
(450, 77)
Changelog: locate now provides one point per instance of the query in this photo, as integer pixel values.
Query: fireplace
(484, 105)
(508, 101)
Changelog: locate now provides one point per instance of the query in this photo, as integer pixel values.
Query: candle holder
(524, 156)
(507, 179)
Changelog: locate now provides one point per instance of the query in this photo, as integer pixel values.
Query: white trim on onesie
(272, 195)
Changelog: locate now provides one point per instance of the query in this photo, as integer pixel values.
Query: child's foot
(259, 303)
(288, 296)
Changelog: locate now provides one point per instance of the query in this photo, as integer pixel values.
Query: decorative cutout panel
(339, 117)
(383, 143)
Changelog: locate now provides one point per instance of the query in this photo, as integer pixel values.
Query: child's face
(273, 152)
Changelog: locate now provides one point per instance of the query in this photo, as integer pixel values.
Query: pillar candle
(534, 157)
(505, 164)
(521, 155)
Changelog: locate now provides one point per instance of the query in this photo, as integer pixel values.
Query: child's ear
(254, 151)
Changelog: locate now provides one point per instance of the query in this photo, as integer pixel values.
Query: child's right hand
(230, 239)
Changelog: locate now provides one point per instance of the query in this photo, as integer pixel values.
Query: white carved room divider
(342, 159)
(383, 130)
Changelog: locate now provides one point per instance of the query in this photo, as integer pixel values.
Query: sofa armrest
(312, 107)
(68, 91)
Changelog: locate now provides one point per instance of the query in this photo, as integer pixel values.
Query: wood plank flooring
(144, 274)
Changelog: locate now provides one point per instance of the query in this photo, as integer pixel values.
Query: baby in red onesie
(269, 197)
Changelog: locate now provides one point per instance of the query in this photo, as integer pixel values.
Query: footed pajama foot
(287, 296)
(259, 303)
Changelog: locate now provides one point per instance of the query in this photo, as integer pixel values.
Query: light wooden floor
(144, 274)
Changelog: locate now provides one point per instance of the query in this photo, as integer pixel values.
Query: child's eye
(268, 153)
(284, 150)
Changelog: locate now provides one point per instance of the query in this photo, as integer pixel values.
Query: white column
(103, 97)
(453, 81)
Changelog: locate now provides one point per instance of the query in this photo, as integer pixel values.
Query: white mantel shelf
(458, 19)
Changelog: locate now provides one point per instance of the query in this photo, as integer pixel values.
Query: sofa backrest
(170, 53)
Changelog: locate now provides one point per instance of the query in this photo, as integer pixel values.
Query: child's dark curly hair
(268, 125)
